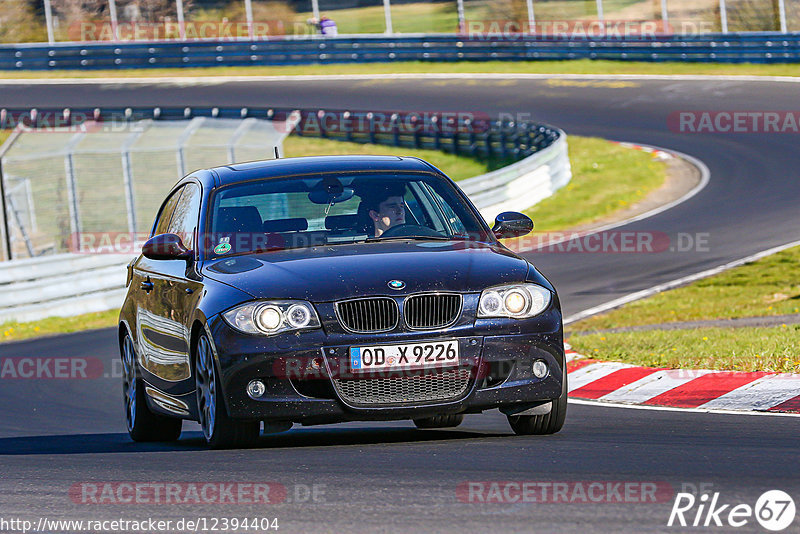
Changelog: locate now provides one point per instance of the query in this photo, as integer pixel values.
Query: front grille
(432, 311)
(441, 385)
(366, 316)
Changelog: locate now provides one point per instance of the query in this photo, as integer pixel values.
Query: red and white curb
(700, 389)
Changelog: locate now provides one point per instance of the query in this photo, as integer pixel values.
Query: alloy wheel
(206, 387)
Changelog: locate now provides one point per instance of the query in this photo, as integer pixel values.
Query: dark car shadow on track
(193, 441)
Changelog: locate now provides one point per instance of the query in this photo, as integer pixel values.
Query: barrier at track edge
(74, 284)
(763, 47)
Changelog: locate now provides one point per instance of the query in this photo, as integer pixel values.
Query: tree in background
(19, 23)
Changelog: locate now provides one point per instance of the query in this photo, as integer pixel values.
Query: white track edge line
(675, 283)
(176, 80)
(674, 409)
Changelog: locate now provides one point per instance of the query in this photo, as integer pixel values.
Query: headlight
(517, 301)
(272, 317)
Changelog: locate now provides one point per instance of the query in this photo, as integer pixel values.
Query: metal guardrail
(461, 133)
(521, 185)
(64, 285)
(731, 47)
(61, 285)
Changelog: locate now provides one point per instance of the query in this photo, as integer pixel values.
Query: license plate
(405, 356)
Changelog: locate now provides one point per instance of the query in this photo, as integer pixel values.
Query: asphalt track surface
(391, 477)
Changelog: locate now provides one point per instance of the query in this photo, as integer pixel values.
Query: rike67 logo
(774, 510)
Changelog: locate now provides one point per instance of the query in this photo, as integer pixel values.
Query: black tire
(142, 424)
(220, 431)
(439, 421)
(527, 425)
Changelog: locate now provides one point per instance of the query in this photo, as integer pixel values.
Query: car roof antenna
(277, 156)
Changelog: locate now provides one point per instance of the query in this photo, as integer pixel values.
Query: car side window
(185, 215)
(165, 215)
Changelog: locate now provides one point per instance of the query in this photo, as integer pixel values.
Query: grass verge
(596, 183)
(731, 349)
(606, 177)
(765, 287)
(58, 325)
(577, 66)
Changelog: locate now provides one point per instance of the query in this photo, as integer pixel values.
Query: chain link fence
(192, 20)
(99, 178)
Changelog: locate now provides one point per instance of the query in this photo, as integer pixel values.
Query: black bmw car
(329, 289)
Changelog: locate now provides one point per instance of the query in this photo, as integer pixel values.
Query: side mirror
(166, 247)
(511, 224)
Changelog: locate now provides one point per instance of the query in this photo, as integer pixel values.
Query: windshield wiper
(412, 238)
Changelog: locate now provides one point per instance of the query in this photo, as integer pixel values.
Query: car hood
(322, 274)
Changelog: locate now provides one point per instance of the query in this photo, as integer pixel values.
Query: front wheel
(550, 423)
(142, 424)
(220, 431)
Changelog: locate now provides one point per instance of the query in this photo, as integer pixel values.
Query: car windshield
(328, 210)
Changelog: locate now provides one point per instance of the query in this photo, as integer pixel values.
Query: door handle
(147, 285)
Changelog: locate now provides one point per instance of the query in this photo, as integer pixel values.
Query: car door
(171, 289)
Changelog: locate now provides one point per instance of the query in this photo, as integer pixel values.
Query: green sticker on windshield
(222, 248)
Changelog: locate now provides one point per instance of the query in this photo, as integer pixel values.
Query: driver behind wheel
(386, 209)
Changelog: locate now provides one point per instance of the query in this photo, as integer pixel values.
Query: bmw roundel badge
(397, 284)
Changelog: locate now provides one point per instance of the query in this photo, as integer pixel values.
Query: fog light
(540, 369)
(255, 389)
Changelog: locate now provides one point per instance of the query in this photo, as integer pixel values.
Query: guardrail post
(6, 230)
(112, 10)
(782, 14)
(371, 117)
(323, 132)
(387, 15)
(664, 15)
(72, 187)
(48, 17)
(9, 253)
(181, 23)
(600, 10)
(723, 16)
(348, 131)
(127, 177)
(237, 135)
(194, 124)
(315, 9)
(248, 13)
(396, 129)
(462, 25)
(503, 139)
(531, 18)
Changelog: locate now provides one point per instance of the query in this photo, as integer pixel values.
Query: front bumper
(298, 368)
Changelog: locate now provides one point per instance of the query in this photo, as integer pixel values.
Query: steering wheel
(402, 230)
